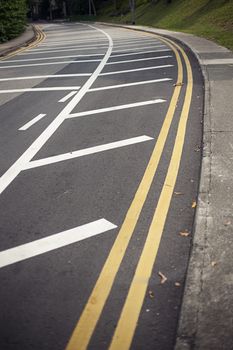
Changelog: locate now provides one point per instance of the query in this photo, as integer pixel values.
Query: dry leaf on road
(151, 294)
(184, 234)
(163, 277)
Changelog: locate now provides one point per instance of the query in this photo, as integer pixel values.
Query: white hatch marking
(137, 69)
(140, 59)
(32, 122)
(86, 151)
(138, 48)
(54, 88)
(115, 108)
(58, 240)
(49, 63)
(138, 53)
(129, 84)
(65, 98)
(43, 58)
(26, 157)
(47, 76)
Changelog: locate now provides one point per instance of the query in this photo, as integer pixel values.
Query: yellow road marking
(130, 313)
(40, 37)
(92, 311)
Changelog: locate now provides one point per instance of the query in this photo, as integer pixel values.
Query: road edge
(29, 37)
(186, 338)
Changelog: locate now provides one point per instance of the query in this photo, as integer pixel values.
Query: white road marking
(69, 48)
(77, 41)
(138, 48)
(130, 41)
(156, 44)
(47, 76)
(58, 240)
(64, 99)
(32, 122)
(140, 59)
(49, 63)
(26, 157)
(41, 59)
(137, 69)
(138, 53)
(54, 88)
(116, 108)
(86, 151)
(129, 84)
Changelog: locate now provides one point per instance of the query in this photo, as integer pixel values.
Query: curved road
(100, 157)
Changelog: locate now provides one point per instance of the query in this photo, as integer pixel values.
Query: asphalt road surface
(100, 137)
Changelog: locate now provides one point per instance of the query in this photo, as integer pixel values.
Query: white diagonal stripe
(138, 53)
(48, 63)
(116, 108)
(129, 84)
(58, 240)
(137, 69)
(65, 98)
(54, 88)
(86, 151)
(32, 122)
(140, 59)
(47, 76)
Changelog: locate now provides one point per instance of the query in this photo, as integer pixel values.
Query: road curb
(196, 291)
(22, 43)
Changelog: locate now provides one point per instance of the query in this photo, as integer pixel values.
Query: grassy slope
(212, 19)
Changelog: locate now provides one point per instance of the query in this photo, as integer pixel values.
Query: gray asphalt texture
(42, 298)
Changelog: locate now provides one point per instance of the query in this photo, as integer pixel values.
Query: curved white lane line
(25, 158)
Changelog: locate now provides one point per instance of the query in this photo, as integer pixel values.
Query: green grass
(212, 19)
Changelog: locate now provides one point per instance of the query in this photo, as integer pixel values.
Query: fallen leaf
(194, 204)
(214, 263)
(151, 294)
(163, 277)
(177, 284)
(184, 234)
(178, 84)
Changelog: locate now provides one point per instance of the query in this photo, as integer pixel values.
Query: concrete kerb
(24, 40)
(189, 316)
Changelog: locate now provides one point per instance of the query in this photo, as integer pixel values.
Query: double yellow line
(126, 326)
(40, 36)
